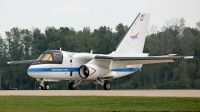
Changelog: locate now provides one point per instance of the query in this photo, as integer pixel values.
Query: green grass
(96, 103)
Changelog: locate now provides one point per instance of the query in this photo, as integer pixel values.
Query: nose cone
(38, 71)
(28, 71)
(31, 72)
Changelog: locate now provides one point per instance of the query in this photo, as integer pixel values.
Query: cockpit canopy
(50, 57)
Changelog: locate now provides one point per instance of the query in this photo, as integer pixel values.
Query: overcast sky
(26, 14)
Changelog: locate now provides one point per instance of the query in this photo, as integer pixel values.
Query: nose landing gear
(42, 85)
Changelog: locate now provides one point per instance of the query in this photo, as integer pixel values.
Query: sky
(29, 14)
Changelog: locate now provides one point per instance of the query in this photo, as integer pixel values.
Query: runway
(146, 93)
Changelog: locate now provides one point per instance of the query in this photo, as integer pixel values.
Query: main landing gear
(72, 85)
(106, 85)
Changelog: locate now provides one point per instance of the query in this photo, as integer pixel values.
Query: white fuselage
(68, 69)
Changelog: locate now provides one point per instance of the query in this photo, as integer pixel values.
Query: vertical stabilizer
(134, 40)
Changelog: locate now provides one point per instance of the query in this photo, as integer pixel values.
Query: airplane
(84, 68)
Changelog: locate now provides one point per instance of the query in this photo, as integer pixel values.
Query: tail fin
(134, 39)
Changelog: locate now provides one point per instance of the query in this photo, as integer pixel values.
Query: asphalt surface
(148, 93)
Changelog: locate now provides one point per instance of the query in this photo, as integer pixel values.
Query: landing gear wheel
(47, 87)
(71, 86)
(106, 85)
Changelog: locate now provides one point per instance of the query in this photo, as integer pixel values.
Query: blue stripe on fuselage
(69, 69)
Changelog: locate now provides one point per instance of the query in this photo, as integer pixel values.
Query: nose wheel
(45, 87)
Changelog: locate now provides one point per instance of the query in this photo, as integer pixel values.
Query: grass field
(96, 103)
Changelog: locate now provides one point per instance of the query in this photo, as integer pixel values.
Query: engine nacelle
(91, 71)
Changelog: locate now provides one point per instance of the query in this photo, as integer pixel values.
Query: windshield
(47, 57)
(40, 57)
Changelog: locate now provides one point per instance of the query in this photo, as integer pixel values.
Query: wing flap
(144, 60)
(133, 62)
(153, 58)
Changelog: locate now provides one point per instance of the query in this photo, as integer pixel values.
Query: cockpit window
(47, 57)
(57, 57)
(50, 57)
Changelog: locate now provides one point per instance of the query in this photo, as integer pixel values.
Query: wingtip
(188, 57)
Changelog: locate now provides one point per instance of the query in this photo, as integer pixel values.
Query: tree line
(174, 38)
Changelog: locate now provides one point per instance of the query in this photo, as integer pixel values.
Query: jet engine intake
(92, 71)
(83, 71)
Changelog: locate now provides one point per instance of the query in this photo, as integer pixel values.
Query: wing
(22, 62)
(144, 60)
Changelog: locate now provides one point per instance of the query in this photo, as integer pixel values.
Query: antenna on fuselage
(91, 52)
(60, 49)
